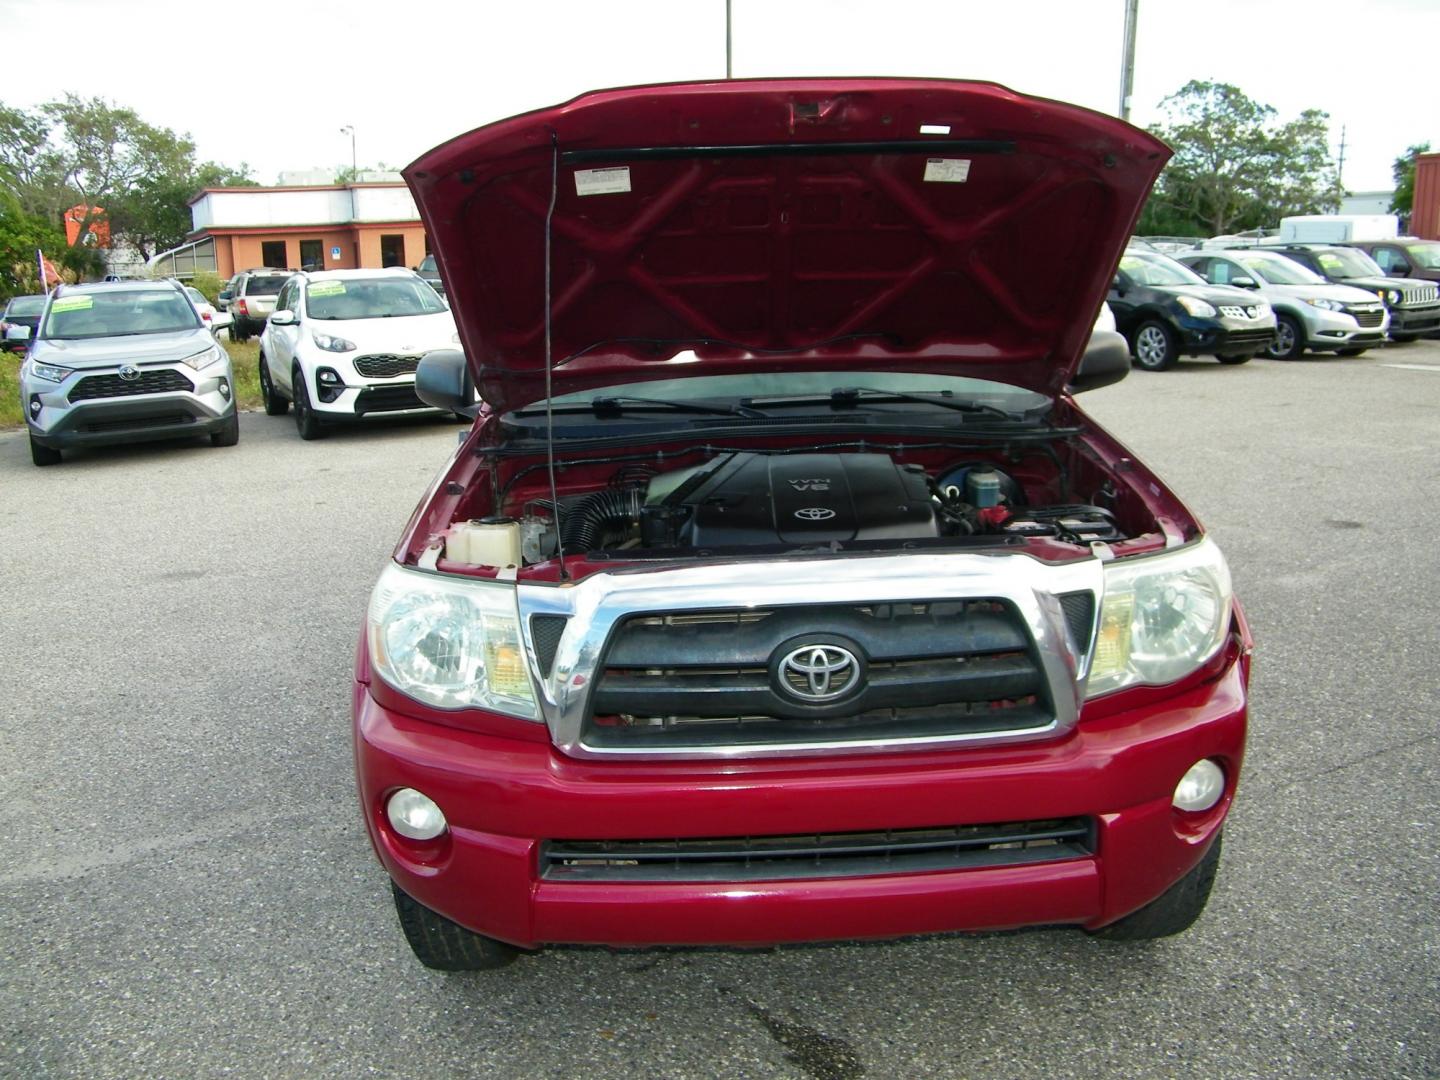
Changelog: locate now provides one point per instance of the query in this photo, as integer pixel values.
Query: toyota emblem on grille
(815, 513)
(129, 372)
(817, 673)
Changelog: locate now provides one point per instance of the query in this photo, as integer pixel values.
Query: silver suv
(124, 362)
(252, 299)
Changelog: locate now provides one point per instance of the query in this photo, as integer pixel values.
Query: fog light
(329, 384)
(224, 388)
(414, 815)
(1199, 789)
(35, 405)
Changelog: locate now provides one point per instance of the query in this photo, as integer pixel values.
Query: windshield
(1152, 268)
(26, 305)
(196, 296)
(1278, 270)
(1426, 255)
(117, 314)
(371, 298)
(428, 263)
(266, 286)
(1347, 263)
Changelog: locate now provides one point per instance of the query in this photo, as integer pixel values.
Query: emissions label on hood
(947, 170)
(603, 181)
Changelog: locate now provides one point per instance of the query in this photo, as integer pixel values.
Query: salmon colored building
(1425, 211)
(321, 227)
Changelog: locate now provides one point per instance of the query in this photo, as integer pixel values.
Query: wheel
(307, 423)
(43, 455)
(1154, 347)
(229, 434)
(238, 333)
(1289, 340)
(446, 946)
(1245, 359)
(275, 404)
(1350, 352)
(1175, 910)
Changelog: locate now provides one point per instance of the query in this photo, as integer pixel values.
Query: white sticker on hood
(947, 170)
(602, 181)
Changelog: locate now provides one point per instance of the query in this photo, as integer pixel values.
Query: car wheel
(1350, 352)
(1244, 359)
(1154, 347)
(446, 946)
(229, 433)
(307, 423)
(43, 455)
(238, 333)
(1175, 910)
(275, 404)
(1289, 340)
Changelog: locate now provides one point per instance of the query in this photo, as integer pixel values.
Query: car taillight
(240, 304)
(205, 315)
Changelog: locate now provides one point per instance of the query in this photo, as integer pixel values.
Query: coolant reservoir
(486, 542)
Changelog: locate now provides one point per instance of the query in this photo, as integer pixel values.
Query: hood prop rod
(549, 401)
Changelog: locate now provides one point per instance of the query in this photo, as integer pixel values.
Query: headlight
(333, 344)
(1161, 618)
(1195, 306)
(448, 643)
(205, 357)
(1327, 305)
(49, 372)
(1392, 296)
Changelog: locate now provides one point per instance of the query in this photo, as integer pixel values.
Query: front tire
(1289, 340)
(43, 455)
(229, 433)
(1175, 910)
(275, 404)
(1154, 347)
(443, 945)
(307, 423)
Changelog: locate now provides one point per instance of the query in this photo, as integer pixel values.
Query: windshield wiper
(614, 405)
(853, 395)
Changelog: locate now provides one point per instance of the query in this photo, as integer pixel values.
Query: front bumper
(1414, 320)
(504, 797)
(1226, 336)
(140, 418)
(1337, 330)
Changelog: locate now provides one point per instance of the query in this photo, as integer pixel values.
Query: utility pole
(1340, 169)
(349, 129)
(727, 40)
(1127, 58)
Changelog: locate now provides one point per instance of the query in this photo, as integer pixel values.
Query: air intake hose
(588, 520)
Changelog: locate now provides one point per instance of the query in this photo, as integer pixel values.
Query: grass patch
(11, 415)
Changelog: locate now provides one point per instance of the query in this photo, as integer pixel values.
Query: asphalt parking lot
(186, 889)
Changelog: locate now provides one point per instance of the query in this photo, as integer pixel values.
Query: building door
(312, 255)
(272, 253)
(392, 250)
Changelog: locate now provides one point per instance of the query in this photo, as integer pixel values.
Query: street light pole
(349, 129)
(1127, 58)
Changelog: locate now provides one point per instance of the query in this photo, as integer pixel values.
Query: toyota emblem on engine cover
(129, 373)
(815, 513)
(817, 673)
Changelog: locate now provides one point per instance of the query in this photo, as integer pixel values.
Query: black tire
(229, 433)
(1235, 359)
(307, 423)
(275, 403)
(443, 945)
(238, 333)
(1153, 346)
(1175, 910)
(1352, 352)
(1401, 339)
(43, 455)
(1289, 340)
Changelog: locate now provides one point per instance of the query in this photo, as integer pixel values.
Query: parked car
(252, 299)
(1165, 311)
(781, 590)
(215, 320)
(431, 273)
(20, 311)
(1310, 313)
(344, 345)
(125, 362)
(1404, 256)
(1414, 305)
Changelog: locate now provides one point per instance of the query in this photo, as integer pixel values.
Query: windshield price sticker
(327, 288)
(602, 181)
(947, 170)
(72, 303)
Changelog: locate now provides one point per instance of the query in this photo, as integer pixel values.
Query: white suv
(344, 345)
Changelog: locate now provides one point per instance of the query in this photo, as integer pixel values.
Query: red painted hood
(782, 224)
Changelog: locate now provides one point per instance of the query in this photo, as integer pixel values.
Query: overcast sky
(271, 84)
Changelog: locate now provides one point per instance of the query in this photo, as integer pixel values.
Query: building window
(312, 255)
(272, 253)
(392, 250)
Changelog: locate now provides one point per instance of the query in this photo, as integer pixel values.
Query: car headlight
(1327, 305)
(205, 357)
(333, 344)
(1392, 296)
(49, 372)
(1161, 618)
(1195, 306)
(454, 644)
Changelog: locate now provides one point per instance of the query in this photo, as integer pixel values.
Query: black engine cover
(742, 499)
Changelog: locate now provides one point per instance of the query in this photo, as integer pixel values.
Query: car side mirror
(1106, 361)
(1118, 284)
(1244, 283)
(443, 380)
(284, 318)
(17, 333)
(1399, 270)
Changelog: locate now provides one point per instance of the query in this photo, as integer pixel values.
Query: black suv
(1414, 305)
(251, 299)
(431, 273)
(1165, 310)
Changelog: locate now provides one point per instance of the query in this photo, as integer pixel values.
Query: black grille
(156, 381)
(931, 668)
(1079, 608)
(1369, 319)
(385, 365)
(859, 854)
(387, 399)
(1245, 338)
(96, 427)
(545, 631)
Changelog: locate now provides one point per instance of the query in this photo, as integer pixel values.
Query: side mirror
(17, 333)
(1399, 269)
(1106, 361)
(1118, 284)
(284, 318)
(1244, 283)
(443, 380)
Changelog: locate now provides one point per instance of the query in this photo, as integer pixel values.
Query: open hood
(926, 225)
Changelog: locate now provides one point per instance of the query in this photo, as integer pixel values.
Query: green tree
(1236, 166)
(21, 234)
(1403, 201)
(154, 214)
